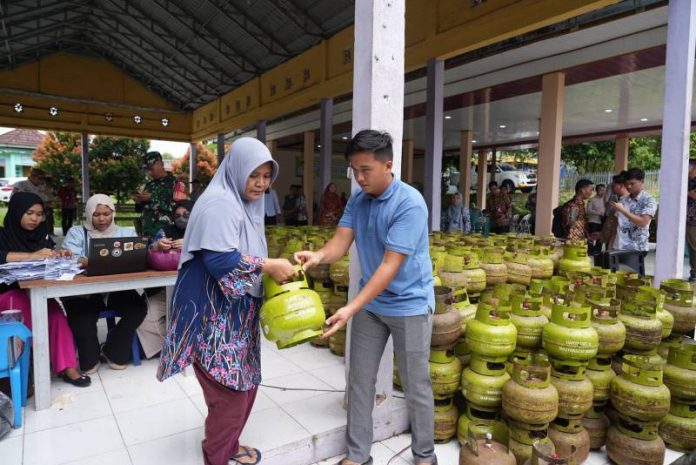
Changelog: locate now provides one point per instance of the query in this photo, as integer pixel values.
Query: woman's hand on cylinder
(280, 269)
(178, 244)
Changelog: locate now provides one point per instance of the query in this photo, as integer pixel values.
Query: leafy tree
(115, 164)
(59, 154)
(206, 163)
(644, 152)
(589, 157)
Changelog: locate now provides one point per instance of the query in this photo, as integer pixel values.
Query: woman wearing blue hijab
(215, 309)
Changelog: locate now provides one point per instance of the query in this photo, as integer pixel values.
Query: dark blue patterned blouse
(214, 321)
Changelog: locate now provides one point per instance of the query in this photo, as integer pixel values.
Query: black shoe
(82, 381)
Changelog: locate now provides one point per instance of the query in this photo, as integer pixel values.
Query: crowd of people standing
(616, 222)
(294, 209)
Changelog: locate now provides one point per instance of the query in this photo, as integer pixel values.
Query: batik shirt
(628, 235)
(499, 206)
(214, 321)
(575, 217)
(158, 212)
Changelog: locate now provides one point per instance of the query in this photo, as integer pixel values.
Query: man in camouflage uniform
(157, 201)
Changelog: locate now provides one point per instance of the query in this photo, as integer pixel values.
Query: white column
(84, 163)
(42, 366)
(676, 126)
(433, 140)
(378, 103)
(326, 142)
(193, 162)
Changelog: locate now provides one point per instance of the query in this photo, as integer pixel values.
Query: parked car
(508, 175)
(7, 187)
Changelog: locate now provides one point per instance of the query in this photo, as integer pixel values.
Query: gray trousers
(368, 337)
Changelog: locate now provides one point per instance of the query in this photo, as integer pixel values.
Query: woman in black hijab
(25, 237)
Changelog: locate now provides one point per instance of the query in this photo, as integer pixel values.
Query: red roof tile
(21, 138)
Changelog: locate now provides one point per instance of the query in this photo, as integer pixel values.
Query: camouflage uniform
(158, 212)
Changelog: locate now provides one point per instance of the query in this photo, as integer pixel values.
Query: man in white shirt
(272, 206)
(595, 209)
(634, 214)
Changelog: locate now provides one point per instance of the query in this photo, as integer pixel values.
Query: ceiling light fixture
(473, 141)
(448, 116)
(138, 119)
(53, 111)
(608, 110)
(109, 117)
(344, 137)
(318, 146)
(18, 107)
(502, 126)
(165, 122)
(644, 119)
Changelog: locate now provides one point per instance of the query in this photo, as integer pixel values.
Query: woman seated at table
(170, 238)
(25, 237)
(83, 311)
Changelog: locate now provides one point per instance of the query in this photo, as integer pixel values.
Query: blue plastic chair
(111, 316)
(17, 369)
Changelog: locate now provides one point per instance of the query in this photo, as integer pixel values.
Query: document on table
(58, 268)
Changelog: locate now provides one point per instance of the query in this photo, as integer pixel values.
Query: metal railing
(652, 179)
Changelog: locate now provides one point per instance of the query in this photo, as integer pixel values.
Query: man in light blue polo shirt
(388, 220)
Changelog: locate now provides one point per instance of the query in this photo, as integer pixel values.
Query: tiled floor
(128, 417)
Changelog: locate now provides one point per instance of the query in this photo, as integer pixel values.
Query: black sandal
(245, 452)
(82, 381)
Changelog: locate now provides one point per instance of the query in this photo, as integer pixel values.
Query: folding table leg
(42, 369)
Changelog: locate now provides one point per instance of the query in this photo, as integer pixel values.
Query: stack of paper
(50, 268)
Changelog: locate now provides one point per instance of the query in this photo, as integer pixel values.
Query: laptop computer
(116, 255)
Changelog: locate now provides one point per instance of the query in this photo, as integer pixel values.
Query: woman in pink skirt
(25, 237)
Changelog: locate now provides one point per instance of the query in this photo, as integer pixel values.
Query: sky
(178, 149)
